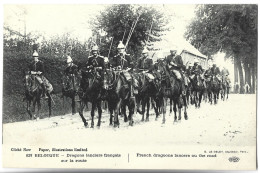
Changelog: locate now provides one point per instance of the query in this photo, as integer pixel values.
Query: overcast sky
(57, 19)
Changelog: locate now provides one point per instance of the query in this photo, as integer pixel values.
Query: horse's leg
(94, 104)
(164, 109)
(81, 109)
(123, 111)
(33, 108)
(116, 120)
(156, 108)
(144, 100)
(131, 107)
(38, 100)
(148, 108)
(99, 113)
(110, 107)
(49, 104)
(185, 107)
(200, 98)
(73, 104)
(175, 110)
(171, 105)
(179, 109)
(28, 109)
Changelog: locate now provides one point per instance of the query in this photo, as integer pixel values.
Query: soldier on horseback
(123, 61)
(96, 63)
(36, 69)
(71, 71)
(225, 75)
(197, 70)
(145, 64)
(216, 72)
(175, 65)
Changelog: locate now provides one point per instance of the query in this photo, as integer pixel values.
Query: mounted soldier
(225, 75)
(216, 72)
(122, 61)
(175, 65)
(36, 69)
(96, 62)
(145, 64)
(71, 71)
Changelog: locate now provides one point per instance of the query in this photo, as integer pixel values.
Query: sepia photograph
(130, 86)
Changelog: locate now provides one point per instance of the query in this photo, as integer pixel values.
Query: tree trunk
(235, 71)
(241, 75)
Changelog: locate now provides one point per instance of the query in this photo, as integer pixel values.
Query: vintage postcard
(130, 86)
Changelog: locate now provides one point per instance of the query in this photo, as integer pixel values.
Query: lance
(110, 47)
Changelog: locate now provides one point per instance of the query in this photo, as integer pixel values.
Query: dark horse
(33, 93)
(90, 91)
(225, 88)
(148, 91)
(119, 95)
(197, 89)
(171, 88)
(215, 88)
(70, 85)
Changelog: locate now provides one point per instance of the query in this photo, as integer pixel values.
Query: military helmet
(94, 48)
(35, 54)
(120, 45)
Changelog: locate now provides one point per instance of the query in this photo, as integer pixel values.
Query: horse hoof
(142, 120)
(186, 117)
(147, 119)
(163, 122)
(125, 120)
(156, 119)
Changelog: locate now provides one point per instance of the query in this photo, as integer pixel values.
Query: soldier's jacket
(73, 69)
(208, 73)
(196, 70)
(124, 61)
(215, 71)
(37, 66)
(145, 64)
(175, 59)
(97, 61)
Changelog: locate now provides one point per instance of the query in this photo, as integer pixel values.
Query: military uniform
(122, 61)
(34, 68)
(225, 75)
(175, 64)
(216, 72)
(146, 64)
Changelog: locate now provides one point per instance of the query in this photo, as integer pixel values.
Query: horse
(171, 88)
(70, 84)
(225, 88)
(118, 95)
(33, 94)
(90, 91)
(197, 89)
(215, 88)
(209, 88)
(148, 91)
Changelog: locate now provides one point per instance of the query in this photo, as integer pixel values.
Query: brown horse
(171, 88)
(70, 85)
(33, 93)
(119, 96)
(90, 91)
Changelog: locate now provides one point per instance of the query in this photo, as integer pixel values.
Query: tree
(116, 22)
(231, 29)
